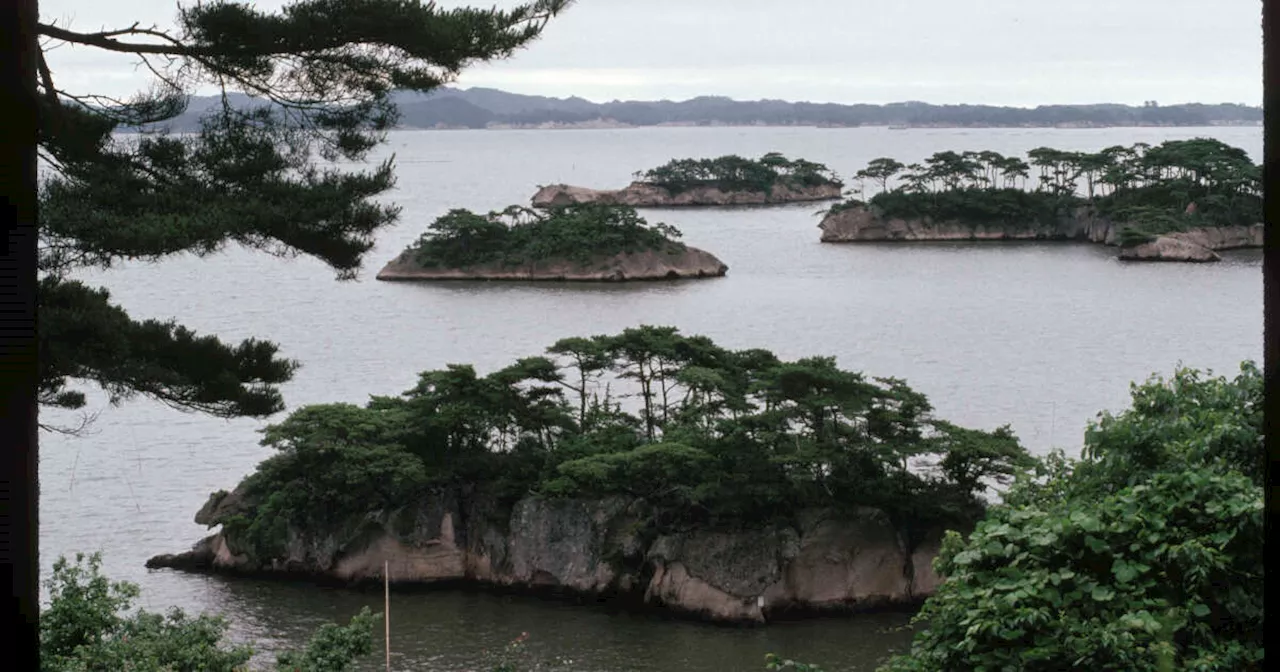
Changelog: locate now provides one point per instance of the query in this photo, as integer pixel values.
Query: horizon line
(812, 102)
(447, 87)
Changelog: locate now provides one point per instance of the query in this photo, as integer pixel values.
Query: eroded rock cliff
(823, 562)
(686, 262)
(640, 194)
(859, 224)
(1168, 248)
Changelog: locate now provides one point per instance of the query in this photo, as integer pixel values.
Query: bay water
(1039, 336)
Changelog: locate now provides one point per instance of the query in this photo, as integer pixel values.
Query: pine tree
(320, 75)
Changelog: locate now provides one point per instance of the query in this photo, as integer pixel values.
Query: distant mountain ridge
(476, 108)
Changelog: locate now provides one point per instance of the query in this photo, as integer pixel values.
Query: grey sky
(1007, 52)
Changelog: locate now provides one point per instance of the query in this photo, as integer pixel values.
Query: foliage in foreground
(520, 235)
(707, 436)
(83, 630)
(321, 75)
(1172, 186)
(1145, 555)
(736, 173)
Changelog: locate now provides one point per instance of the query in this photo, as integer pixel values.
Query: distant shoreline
(449, 108)
(608, 126)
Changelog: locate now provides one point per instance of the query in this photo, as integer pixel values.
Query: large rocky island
(591, 243)
(1183, 200)
(734, 486)
(723, 181)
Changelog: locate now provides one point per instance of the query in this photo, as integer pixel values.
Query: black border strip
(19, 371)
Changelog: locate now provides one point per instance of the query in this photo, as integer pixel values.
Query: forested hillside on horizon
(491, 108)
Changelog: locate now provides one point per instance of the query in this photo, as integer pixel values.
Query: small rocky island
(727, 180)
(589, 243)
(1182, 200)
(728, 485)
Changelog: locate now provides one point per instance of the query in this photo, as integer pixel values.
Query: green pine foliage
(736, 173)
(319, 75)
(708, 436)
(1172, 186)
(519, 235)
(1006, 207)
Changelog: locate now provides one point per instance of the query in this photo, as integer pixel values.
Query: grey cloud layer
(979, 51)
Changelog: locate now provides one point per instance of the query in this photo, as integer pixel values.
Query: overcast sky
(1004, 52)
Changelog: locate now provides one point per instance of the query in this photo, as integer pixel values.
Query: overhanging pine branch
(104, 41)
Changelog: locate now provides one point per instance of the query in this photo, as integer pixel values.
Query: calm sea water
(1040, 336)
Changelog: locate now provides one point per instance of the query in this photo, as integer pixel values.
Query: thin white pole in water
(386, 609)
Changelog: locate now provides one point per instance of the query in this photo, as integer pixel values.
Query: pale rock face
(438, 559)
(1168, 248)
(677, 263)
(848, 562)
(861, 225)
(223, 556)
(827, 562)
(675, 587)
(641, 195)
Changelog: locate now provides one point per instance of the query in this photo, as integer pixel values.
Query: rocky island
(732, 486)
(593, 242)
(727, 180)
(1182, 200)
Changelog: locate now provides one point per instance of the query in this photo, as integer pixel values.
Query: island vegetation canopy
(703, 435)
(1173, 186)
(518, 235)
(735, 173)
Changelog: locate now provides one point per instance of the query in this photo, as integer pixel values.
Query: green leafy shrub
(333, 647)
(83, 630)
(1144, 555)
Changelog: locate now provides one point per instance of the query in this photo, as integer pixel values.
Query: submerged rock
(641, 194)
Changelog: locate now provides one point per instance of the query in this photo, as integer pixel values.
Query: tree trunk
(662, 383)
(582, 398)
(18, 350)
(647, 393)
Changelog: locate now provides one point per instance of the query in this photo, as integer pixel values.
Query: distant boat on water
(899, 127)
